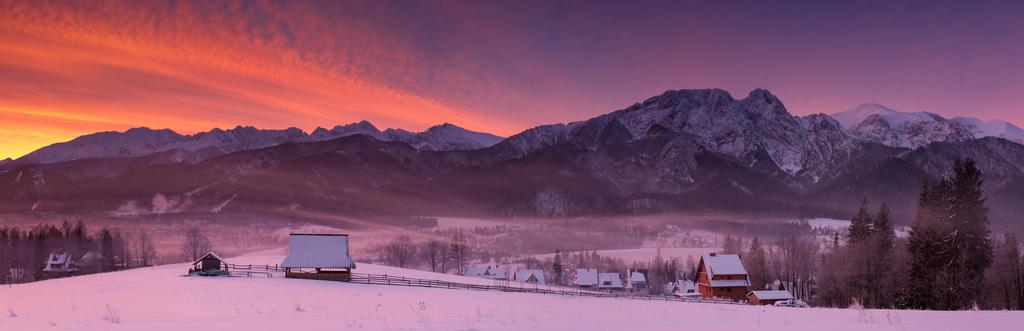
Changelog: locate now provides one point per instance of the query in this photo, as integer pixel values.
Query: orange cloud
(67, 70)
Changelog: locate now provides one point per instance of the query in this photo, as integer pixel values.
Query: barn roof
(771, 295)
(318, 251)
(586, 277)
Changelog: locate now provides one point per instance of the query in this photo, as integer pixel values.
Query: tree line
(949, 260)
(24, 252)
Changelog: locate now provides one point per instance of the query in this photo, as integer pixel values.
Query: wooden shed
(318, 256)
(768, 297)
(209, 265)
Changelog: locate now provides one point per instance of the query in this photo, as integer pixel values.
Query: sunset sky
(71, 68)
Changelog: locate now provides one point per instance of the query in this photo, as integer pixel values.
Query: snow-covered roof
(487, 271)
(60, 262)
(524, 275)
(586, 277)
(637, 277)
(91, 258)
(609, 280)
(727, 264)
(218, 256)
(771, 295)
(318, 251)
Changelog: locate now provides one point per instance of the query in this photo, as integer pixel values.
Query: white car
(795, 303)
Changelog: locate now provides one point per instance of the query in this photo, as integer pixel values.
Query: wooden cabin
(318, 256)
(209, 265)
(722, 276)
(768, 297)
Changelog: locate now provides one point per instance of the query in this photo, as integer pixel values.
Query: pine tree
(882, 267)
(860, 225)
(860, 255)
(972, 248)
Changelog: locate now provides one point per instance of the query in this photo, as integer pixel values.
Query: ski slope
(160, 298)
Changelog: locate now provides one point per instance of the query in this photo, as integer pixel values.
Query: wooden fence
(378, 279)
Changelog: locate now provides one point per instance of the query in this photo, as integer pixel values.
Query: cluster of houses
(326, 257)
(62, 264)
(719, 276)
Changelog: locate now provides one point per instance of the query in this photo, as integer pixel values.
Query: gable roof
(318, 251)
(637, 277)
(771, 295)
(60, 262)
(586, 277)
(214, 255)
(727, 264)
(486, 271)
(523, 275)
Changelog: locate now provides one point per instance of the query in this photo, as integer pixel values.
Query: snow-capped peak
(992, 128)
(877, 123)
(852, 118)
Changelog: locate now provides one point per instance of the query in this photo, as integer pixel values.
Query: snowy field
(159, 298)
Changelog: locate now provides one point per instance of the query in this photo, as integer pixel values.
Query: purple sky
(501, 66)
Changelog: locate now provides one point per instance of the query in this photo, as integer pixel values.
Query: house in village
(487, 271)
(59, 265)
(636, 280)
(586, 278)
(93, 262)
(768, 297)
(532, 276)
(686, 288)
(318, 256)
(609, 281)
(210, 264)
(722, 276)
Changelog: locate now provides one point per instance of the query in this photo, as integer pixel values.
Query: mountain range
(681, 151)
(192, 148)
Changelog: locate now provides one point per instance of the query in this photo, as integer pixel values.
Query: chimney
(712, 254)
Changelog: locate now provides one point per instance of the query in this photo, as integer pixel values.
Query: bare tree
(196, 244)
(434, 252)
(147, 252)
(459, 252)
(400, 251)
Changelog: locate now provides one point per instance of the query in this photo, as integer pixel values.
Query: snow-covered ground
(160, 298)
